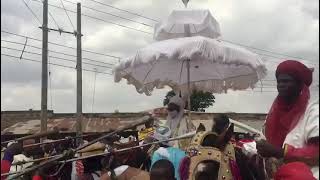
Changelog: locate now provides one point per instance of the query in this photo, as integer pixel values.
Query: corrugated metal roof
(69, 125)
(109, 122)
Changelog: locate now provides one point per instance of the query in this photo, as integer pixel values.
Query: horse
(213, 155)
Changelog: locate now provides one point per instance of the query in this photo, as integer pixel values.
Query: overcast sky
(288, 26)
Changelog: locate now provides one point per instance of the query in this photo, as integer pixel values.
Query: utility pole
(79, 74)
(44, 77)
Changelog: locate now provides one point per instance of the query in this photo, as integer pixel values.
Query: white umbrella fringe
(208, 85)
(203, 49)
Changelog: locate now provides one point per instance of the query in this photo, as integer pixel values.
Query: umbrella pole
(189, 92)
(188, 34)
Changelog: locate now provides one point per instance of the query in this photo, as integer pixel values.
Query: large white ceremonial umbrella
(188, 56)
(191, 63)
(198, 22)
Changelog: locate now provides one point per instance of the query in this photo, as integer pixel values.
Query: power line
(63, 59)
(93, 9)
(239, 44)
(120, 58)
(125, 11)
(32, 12)
(263, 80)
(59, 52)
(89, 51)
(67, 15)
(32, 60)
(224, 40)
(66, 54)
(282, 54)
(116, 24)
(110, 22)
(279, 60)
(55, 22)
(119, 17)
(28, 59)
(272, 52)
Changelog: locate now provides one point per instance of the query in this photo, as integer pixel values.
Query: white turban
(177, 101)
(162, 133)
(172, 123)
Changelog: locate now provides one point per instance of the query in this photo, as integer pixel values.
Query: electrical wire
(106, 21)
(52, 18)
(84, 50)
(54, 64)
(66, 54)
(136, 14)
(67, 15)
(28, 59)
(116, 57)
(32, 12)
(272, 52)
(110, 14)
(63, 59)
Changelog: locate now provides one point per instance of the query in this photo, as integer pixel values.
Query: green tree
(199, 100)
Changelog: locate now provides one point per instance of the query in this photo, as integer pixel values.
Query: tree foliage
(199, 100)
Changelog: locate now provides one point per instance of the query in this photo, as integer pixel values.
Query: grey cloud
(22, 72)
(283, 26)
(311, 8)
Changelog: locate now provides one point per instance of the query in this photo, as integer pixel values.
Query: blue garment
(8, 156)
(175, 157)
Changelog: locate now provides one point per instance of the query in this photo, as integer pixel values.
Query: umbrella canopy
(215, 66)
(200, 22)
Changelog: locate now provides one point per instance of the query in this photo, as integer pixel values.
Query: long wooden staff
(188, 135)
(142, 121)
(57, 141)
(122, 150)
(32, 136)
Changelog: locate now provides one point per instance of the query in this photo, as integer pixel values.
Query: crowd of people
(290, 150)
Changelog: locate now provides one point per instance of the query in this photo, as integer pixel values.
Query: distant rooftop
(28, 122)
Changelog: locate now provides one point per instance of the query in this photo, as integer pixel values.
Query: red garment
(297, 70)
(241, 142)
(235, 170)
(305, 154)
(282, 118)
(37, 177)
(294, 171)
(79, 168)
(5, 168)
